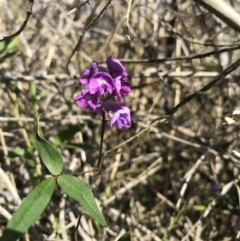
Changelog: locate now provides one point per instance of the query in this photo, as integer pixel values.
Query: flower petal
(85, 77)
(88, 73)
(126, 88)
(119, 114)
(115, 68)
(101, 82)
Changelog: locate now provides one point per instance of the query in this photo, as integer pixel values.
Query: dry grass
(157, 185)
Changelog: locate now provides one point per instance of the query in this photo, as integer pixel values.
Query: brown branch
(143, 74)
(222, 10)
(187, 99)
(78, 45)
(194, 56)
(78, 5)
(28, 14)
(226, 72)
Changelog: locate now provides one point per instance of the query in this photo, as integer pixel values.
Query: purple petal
(122, 121)
(101, 82)
(126, 88)
(93, 102)
(115, 68)
(114, 118)
(119, 114)
(77, 98)
(88, 73)
(119, 124)
(85, 77)
(112, 106)
(122, 90)
(94, 85)
(82, 103)
(86, 99)
(102, 69)
(94, 66)
(118, 72)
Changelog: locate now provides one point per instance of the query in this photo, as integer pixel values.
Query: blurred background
(155, 182)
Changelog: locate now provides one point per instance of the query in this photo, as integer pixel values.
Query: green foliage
(30, 159)
(125, 237)
(16, 152)
(10, 44)
(50, 156)
(35, 203)
(79, 191)
(199, 208)
(32, 89)
(8, 49)
(44, 93)
(29, 210)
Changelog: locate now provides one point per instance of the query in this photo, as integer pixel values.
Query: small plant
(101, 87)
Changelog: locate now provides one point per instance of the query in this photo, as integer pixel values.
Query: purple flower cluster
(100, 85)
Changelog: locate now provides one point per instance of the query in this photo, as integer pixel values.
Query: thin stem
(24, 24)
(78, 45)
(99, 163)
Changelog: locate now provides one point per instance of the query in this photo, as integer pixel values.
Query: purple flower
(115, 68)
(86, 99)
(121, 88)
(119, 75)
(119, 114)
(90, 71)
(100, 83)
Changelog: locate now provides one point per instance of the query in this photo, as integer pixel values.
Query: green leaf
(33, 89)
(9, 44)
(2, 46)
(79, 191)
(125, 237)
(51, 157)
(16, 152)
(44, 93)
(29, 210)
(199, 208)
(13, 43)
(7, 56)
